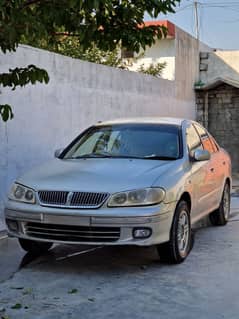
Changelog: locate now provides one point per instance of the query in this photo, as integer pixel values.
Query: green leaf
(27, 291)
(72, 291)
(6, 114)
(17, 306)
(23, 76)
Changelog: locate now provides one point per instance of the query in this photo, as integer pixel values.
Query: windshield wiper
(104, 155)
(126, 156)
(91, 155)
(108, 155)
(162, 158)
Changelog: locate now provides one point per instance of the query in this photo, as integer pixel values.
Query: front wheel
(220, 216)
(34, 247)
(177, 249)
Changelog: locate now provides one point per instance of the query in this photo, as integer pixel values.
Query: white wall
(78, 94)
(187, 50)
(181, 55)
(221, 64)
(160, 52)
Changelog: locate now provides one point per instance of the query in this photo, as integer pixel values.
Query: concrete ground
(2, 224)
(124, 282)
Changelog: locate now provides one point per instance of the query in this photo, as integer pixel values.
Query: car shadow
(77, 258)
(84, 257)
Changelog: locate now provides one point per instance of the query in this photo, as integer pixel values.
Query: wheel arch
(228, 180)
(187, 198)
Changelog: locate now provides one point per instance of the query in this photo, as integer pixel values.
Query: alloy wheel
(226, 203)
(183, 233)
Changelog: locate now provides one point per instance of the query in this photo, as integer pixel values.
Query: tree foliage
(154, 69)
(70, 46)
(22, 76)
(106, 23)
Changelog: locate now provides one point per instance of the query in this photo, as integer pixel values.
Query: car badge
(69, 198)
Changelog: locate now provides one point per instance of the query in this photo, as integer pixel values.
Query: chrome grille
(85, 199)
(74, 233)
(72, 199)
(53, 198)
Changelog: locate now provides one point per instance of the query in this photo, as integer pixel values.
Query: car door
(221, 168)
(214, 174)
(198, 175)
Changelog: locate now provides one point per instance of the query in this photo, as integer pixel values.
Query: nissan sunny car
(124, 182)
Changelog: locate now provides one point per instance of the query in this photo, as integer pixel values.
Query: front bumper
(91, 226)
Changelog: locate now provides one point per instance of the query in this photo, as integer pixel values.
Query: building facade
(217, 99)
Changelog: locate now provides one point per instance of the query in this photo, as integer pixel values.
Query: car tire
(178, 247)
(220, 216)
(34, 247)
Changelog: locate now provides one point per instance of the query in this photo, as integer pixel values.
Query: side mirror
(201, 155)
(58, 152)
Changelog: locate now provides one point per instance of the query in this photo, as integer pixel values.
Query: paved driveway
(123, 282)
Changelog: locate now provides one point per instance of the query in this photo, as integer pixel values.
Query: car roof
(144, 120)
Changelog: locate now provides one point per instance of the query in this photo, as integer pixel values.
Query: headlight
(139, 197)
(22, 193)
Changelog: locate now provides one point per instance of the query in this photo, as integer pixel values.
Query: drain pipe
(206, 110)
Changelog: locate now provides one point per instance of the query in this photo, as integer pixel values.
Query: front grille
(53, 198)
(72, 199)
(72, 233)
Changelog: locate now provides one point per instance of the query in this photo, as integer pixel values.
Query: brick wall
(218, 110)
(200, 96)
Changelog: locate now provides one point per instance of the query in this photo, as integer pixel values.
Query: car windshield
(144, 141)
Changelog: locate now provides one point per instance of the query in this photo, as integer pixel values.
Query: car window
(206, 141)
(193, 140)
(143, 141)
(91, 143)
(214, 144)
(201, 130)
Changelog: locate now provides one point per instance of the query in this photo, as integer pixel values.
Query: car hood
(100, 175)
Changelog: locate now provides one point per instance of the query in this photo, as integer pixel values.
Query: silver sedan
(126, 182)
